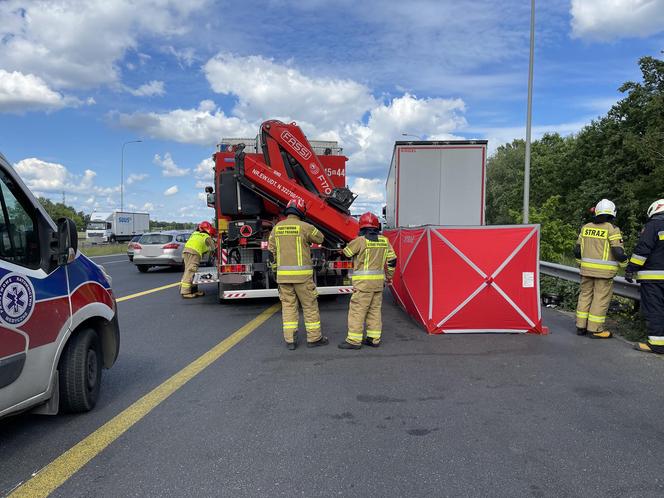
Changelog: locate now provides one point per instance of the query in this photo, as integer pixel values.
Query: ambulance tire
(80, 372)
(143, 268)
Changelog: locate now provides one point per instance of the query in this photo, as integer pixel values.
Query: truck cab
(99, 228)
(58, 320)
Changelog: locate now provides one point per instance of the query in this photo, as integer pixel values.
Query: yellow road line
(66, 465)
(144, 293)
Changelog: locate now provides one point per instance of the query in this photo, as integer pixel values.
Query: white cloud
(171, 191)
(281, 91)
(185, 56)
(20, 93)
(152, 89)
(148, 206)
(78, 44)
(325, 108)
(205, 125)
(606, 20)
(168, 166)
(54, 178)
(134, 178)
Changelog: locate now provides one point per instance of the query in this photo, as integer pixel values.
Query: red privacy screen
(469, 279)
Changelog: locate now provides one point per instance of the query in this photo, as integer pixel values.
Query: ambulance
(58, 319)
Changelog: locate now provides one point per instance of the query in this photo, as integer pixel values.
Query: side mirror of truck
(210, 196)
(67, 241)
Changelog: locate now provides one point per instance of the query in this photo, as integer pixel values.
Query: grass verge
(103, 250)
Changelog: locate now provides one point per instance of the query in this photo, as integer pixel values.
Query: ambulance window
(19, 238)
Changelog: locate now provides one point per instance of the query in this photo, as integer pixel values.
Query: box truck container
(436, 183)
(118, 226)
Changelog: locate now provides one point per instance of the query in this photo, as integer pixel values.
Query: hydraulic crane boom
(290, 169)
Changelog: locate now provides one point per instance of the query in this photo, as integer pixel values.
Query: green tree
(60, 210)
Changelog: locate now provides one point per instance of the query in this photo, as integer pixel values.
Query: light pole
(529, 117)
(122, 172)
(411, 135)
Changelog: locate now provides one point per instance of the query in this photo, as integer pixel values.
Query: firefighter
(599, 250)
(200, 243)
(374, 262)
(647, 263)
(289, 243)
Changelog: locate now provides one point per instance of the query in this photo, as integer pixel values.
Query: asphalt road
(480, 415)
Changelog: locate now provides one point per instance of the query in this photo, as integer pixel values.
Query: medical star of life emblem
(17, 300)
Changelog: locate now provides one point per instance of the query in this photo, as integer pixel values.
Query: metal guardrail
(621, 287)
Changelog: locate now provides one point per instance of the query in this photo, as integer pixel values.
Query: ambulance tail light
(340, 265)
(235, 268)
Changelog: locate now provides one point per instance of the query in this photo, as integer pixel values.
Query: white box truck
(117, 226)
(436, 183)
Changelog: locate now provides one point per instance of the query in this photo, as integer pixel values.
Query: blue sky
(80, 78)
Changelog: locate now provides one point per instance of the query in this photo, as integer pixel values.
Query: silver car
(130, 247)
(160, 249)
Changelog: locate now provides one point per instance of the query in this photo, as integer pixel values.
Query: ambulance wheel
(143, 268)
(80, 372)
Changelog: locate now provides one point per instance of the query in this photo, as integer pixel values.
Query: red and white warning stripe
(224, 256)
(234, 295)
(345, 290)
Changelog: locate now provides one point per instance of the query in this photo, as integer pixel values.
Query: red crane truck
(253, 182)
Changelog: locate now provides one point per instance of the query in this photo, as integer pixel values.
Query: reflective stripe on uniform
(312, 325)
(638, 260)
(185, 284)
(656, 340)
(598, 264)
(582, 314)
(348, 252)
(368, 275)
(294, 272)
(616, 236)
(290, 325)
(661, 235)
(355, 336)
(650, 275)
(374, 334)
(596, 319)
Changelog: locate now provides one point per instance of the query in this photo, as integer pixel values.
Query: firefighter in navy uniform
(647, 264)
(198, 245)
(600, 251)
(374, 260)
(289, 243)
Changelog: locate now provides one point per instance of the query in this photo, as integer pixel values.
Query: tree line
(59, 210)
(619, 156)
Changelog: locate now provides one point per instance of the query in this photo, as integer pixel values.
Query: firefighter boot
(605, 334)
(580, 331)
(320, 342)
(348, 345)
(368, 341)
(643, 347)
(292, 346)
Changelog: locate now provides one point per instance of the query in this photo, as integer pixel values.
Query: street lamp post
(122, 172)
(411, 135)
(529, 117)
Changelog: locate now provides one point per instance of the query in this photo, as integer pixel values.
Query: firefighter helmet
(369, 220)
(656, 208)
(296, 207)
(207, 227)
(605, 206)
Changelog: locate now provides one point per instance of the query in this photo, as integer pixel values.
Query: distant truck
(118, 226)
(436, 183)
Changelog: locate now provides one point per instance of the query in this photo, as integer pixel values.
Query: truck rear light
(340, 265)
(235, 268)
(172, 245)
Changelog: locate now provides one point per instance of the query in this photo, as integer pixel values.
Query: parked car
(160, 249)
(131, 246)
(58, 321)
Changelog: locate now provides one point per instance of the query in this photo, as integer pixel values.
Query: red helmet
(296, 207)
(369, 220)
(207, 227)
